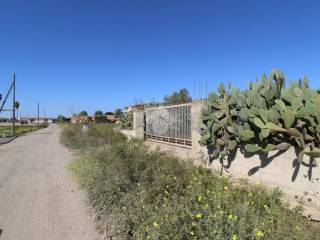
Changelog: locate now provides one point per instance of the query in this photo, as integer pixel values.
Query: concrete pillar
(138, 123)
(196, 116)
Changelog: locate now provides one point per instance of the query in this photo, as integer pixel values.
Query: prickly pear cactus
(127, 121)
(266, 117)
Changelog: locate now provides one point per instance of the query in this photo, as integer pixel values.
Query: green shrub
(152, 195)
(101, 119)
(96, 135)
(21, 129)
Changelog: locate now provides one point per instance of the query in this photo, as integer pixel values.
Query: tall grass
(97, 135)
(6, 131)
(143, 194)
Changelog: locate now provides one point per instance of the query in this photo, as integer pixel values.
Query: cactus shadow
(296, 165)
(265, 160)
(224, 162)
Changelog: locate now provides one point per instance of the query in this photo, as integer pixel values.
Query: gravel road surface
(38, 198)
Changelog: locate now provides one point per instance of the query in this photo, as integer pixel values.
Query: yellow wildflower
(155, 224)
(199, 215)
(200, 198)
(234, 237)
(259, 234)
(233, 217)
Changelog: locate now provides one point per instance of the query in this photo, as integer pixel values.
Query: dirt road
(38, 198)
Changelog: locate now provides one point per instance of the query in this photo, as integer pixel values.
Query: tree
(83, 113)
(98, 113)
(109, 113)
(178, 97)
(61, 118)
(16, 106)
(118, 113)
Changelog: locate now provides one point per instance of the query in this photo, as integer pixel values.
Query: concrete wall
(274, 170)
(196, 112)
(129, 133)
(283, 171)
(138, 123)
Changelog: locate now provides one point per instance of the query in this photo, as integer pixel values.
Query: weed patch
(20, 129)
(152, 195)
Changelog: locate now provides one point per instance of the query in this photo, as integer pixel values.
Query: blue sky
(98, 54)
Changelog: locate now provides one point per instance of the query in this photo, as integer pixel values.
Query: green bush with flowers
(142, 194)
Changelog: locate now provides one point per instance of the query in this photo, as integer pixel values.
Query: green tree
(118, 113)
(178, 97)
(61, 118)
(83, 113)
(98, 113)
(16, 106)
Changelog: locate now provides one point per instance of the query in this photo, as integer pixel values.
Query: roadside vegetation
(6, 131)
(142, 194)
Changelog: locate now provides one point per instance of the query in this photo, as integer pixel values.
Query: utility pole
(14, 106)
(38, 114)
(13, 89)
(44, 114)
(206, 90)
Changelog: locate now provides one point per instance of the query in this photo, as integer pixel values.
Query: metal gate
(171, 124)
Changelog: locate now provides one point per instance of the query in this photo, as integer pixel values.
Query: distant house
(80, 119)
(4, 120)
(34, 120)
(109, 117)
